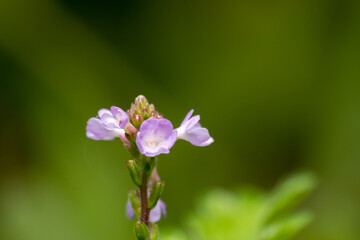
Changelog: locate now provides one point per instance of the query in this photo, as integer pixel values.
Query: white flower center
(152, 144)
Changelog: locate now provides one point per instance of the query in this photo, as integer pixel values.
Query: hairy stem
(145, 211)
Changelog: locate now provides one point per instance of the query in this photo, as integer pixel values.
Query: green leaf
(286, 228)
(250, 214)
(288, 194)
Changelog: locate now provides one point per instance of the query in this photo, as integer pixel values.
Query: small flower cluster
(153, 133)
(146, 134)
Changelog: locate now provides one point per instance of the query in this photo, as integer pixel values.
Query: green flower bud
(137, 120)
(133, 108)
(155, 193)
(135, 172)
(135, 202)
(141, 231)
(148, 164)
(154, 234)
(151, 107)
(141, 110)
(141, 102)
(145, 113)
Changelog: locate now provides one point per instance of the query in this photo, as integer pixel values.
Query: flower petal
(207, 143)
(192, 122)
(96, 130)
(129, 210)
(169, 141)
(187, 117)
(103, 111)
(120, 115)
(155, 213)
(109, 121)
(156, 136)
(198, 137)
(163, 208)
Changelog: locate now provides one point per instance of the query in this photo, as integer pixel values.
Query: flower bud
(133, 108)
(126, 142)
(141, 102)
(155, 193)
(148, 164)
(141, 231)
(135, 202)
(154, 233)
(145, 113)
(130, 129)
(135, 172)
(151, 107)
(137, 120)
(141, 110)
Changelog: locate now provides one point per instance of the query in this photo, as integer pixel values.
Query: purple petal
(187, 117)
(157, 211)
(97, 131)
(103, 111)
(155, 214)
(120, 115)
(198, 137)
(192, 122)
(129, 210)
(207, 143)
(109, 121)
(156, 136)
(169, 141)
(163, 208)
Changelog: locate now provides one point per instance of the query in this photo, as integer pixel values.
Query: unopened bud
(135, 202)
(135, 172)
(154, 233)
(141, 231)
(137, 120)
(130, 129)
(141, 102)
(126, 142)
(151, 107)
(141, 110)
(155, 193)
(145, 113)
(148, 164)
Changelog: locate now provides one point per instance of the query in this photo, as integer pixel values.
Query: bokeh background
(275, 82)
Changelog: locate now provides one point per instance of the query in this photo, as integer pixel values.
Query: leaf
(286, 228)
(250, 214)
(289, 194)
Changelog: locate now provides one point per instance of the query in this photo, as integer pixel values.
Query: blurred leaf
(250, 214)
(288, 194)
(173, 235)
(286, 228)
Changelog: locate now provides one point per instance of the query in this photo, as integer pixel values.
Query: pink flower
(155, 214)
(190, 130)
(155, 136)
(109, 125)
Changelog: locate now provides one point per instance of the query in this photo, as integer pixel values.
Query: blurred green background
(275, 82)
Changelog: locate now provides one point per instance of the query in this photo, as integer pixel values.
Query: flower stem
(145, 211)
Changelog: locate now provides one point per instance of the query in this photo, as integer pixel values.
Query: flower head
(155, 136)
(141, 110)
(110, 124)
(190, 130)
(155, 214)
